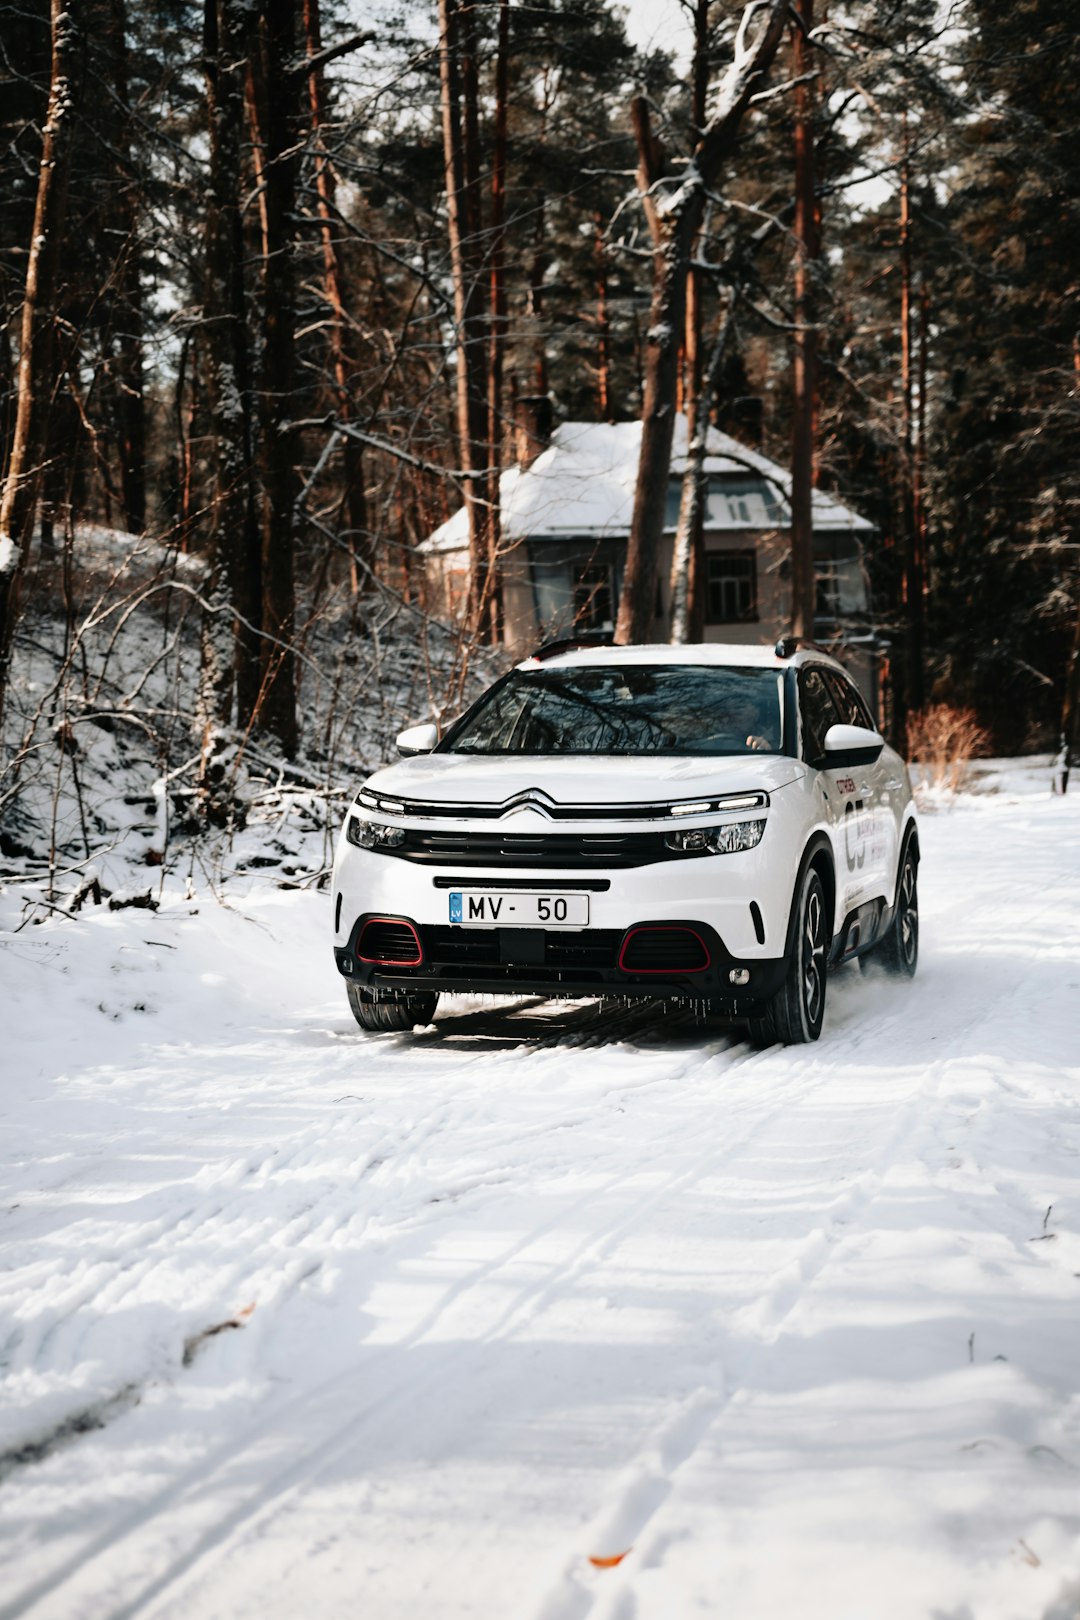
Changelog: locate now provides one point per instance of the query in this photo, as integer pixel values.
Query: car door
(845, 789)
(878, 782)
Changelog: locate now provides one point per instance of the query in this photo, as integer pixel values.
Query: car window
(818, 711)
(849, 701)
(627, 709)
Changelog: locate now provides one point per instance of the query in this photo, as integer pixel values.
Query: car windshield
(627, 709)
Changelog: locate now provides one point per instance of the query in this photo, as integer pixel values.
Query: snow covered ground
(302, 1322)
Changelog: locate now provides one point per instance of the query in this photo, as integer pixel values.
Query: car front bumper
(547, 962)
(736, 904)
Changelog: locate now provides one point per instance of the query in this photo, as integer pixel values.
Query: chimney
(533, 422)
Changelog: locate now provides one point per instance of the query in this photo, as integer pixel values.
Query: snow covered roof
(719, 654)
(583, 484)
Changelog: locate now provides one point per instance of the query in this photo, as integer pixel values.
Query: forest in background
(276, 276)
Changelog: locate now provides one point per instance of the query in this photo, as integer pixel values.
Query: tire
(393, 1010)
(794, 1014)
(898, 952)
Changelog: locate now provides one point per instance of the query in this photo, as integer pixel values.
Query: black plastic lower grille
(383, 940)
(593, 949)
(664, 950)
(456, 947)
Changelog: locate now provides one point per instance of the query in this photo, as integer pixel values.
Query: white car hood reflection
(590, 779)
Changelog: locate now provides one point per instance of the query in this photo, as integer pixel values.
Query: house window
(730, 587)
(594, 598)
(732, 502)
(840, 577)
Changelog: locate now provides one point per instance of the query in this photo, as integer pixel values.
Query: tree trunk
(686, 580)
(128, 378)
(804, 347)
(497, 342)
(456, 34)
(603, 330)
(230, 646)
(666, 315)
(539, 261)
(1070, 711)
(274, 95)
(36, 381)
(335, 285)
(912, 582)
(688, 554)
(674, 220)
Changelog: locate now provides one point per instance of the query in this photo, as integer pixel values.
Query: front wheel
(794, 1014)
(898, 952)
(393, 1010)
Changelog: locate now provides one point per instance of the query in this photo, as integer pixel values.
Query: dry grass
(944, 741)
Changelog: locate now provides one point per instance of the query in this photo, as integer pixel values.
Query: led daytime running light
(730, 801)
(391, 807)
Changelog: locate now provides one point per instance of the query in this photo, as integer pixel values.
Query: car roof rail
(788, 646)
(586, 638)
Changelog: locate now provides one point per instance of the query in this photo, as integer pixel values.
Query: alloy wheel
(813, 963)
(908, 918)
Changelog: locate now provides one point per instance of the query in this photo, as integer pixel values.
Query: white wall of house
(566, 514)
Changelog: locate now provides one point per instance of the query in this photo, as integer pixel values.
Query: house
(566, 509)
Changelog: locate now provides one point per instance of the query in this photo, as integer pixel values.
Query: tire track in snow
(487, 1066)
(646, 1481)
(273, 1496)
(644, 1484)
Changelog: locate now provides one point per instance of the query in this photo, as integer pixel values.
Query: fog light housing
(739, 976)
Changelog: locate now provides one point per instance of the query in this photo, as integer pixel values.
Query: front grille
(435, 810)
(589, 950)
(594, 948)
(458, 947)
(563, 851)
(663, 950)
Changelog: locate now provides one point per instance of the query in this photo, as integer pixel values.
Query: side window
(849, 701)
(818, 711)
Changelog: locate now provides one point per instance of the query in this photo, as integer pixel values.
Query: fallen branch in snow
(194, 1344)
(140, 902)
(89, 889)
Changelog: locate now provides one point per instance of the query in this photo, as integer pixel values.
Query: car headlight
(726, 840)
(373, 834)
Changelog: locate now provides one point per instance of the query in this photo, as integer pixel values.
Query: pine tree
(1008, 466)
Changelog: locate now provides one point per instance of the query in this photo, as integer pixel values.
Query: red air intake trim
(672, 967)
(382, 935)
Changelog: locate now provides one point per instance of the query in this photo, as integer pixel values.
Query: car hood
(586, 779)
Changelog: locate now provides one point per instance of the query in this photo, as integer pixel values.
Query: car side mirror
(846, 746)
(417, 739)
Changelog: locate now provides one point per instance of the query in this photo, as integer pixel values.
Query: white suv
(715, 825)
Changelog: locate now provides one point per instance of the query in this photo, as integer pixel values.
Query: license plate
(517, 908)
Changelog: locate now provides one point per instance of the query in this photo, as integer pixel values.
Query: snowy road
(301, 1322)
